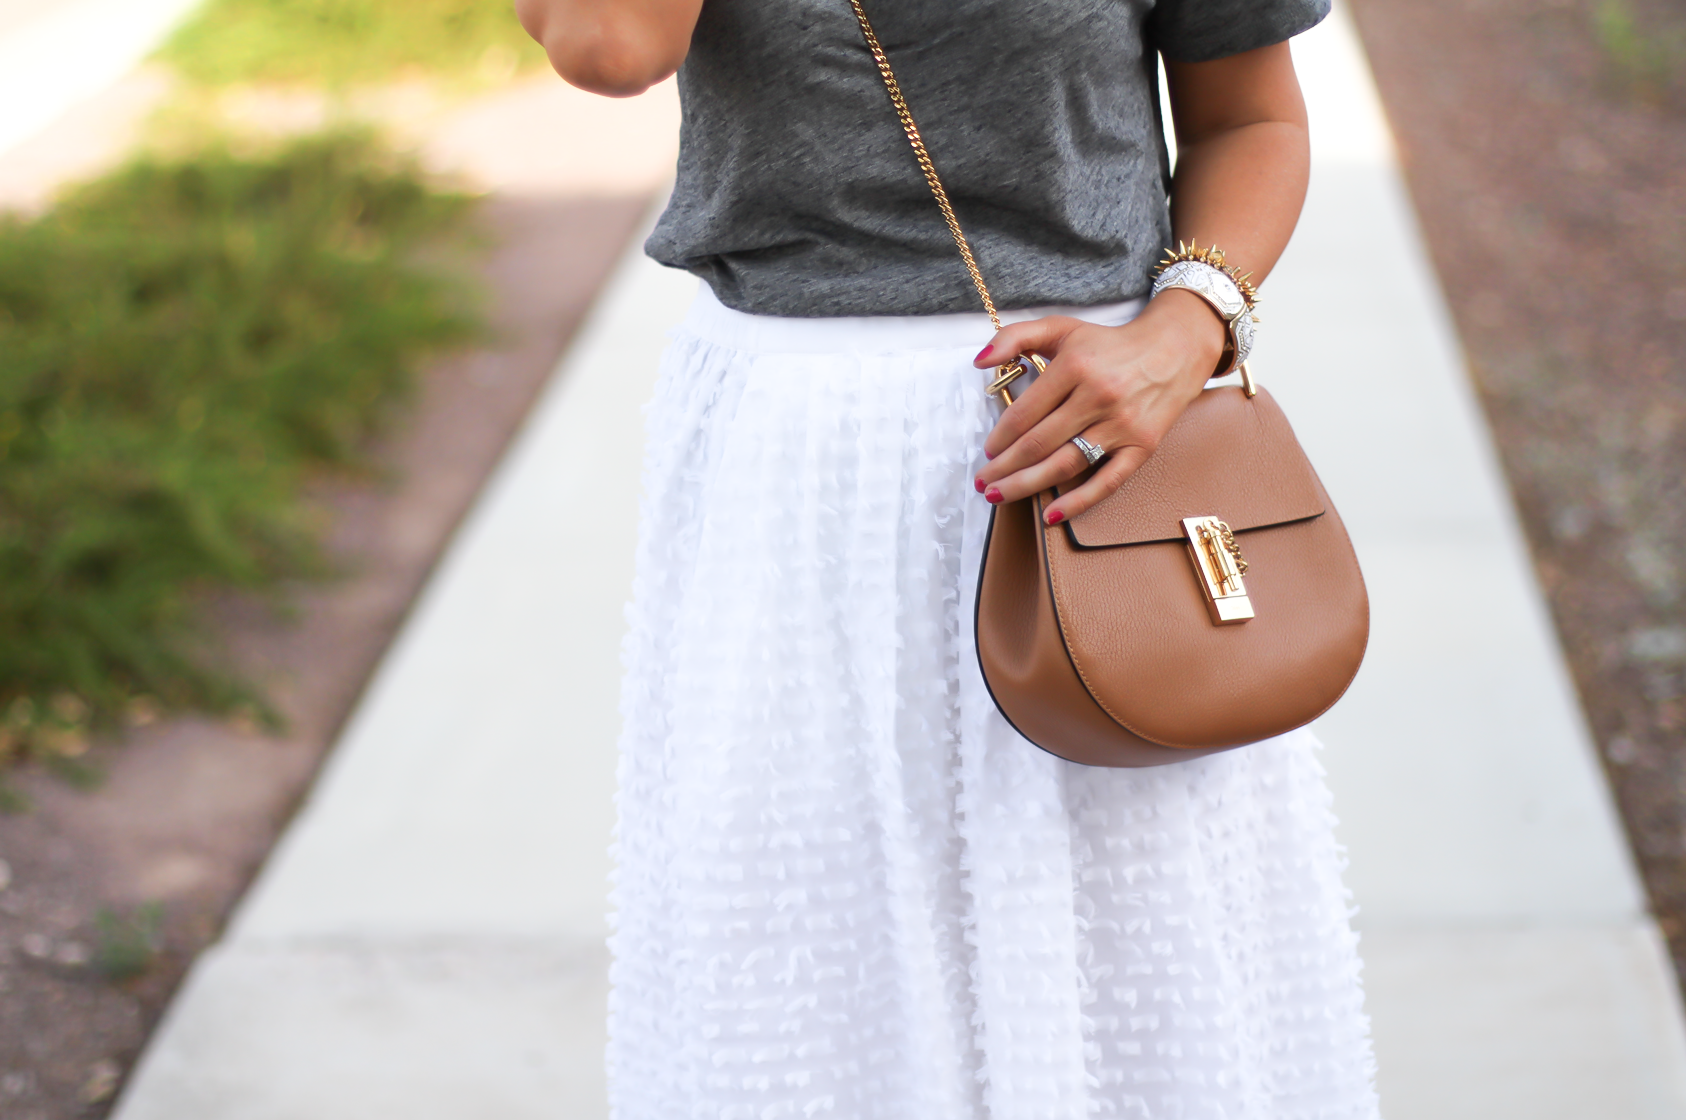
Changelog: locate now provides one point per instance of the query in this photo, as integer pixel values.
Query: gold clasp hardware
(1012, 371)
(1218, 563)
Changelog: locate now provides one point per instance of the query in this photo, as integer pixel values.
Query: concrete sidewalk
(427, 942)
(57, 53)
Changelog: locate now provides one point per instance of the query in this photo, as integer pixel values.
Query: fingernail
(992, 494)
(979, 483)
(984, 353)
(1055, 517)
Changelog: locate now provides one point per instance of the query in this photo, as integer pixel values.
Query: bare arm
(1243, 155)
(1242, 165)
(618, 48)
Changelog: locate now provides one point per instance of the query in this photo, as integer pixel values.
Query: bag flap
(1227, 457)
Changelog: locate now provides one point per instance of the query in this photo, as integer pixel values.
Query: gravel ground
(1545, 147)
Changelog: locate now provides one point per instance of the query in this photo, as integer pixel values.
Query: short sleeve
(1203, 30)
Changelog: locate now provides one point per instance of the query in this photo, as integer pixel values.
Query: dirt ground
(1545, 147)
(141, 873)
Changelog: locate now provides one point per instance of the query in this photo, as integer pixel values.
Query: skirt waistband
(712, 321)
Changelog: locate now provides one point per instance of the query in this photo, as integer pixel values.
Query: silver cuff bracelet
(1221, 292)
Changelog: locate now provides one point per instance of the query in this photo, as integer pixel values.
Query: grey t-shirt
(797, 193)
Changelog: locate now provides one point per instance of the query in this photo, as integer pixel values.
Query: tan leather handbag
(1212, 601)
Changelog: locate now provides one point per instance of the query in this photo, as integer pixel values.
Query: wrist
(1203, 272)
(1201, 333)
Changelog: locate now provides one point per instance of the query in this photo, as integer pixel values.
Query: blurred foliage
(127, 945)
(1648, 60)
(183, 343)
(340, 42)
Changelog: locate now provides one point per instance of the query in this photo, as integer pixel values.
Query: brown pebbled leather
(1093, 636)
(1234, 454)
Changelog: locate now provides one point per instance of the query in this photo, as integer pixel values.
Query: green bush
(182, 344)
(1646, 59)
(337, 42)
(127, 945)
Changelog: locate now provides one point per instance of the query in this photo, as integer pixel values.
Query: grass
(127, 945)
(12, 800)
(1647, 60)
(184, 344)
(349, 42)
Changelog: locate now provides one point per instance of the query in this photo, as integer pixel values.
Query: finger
(1052, 432)
(1064, 463)
(1113, 472)
(1033, 407)
(1042, 335)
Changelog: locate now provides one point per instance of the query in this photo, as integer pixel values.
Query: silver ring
(1090, 451)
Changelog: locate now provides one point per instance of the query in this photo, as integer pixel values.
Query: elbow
(613, 68)
(615, 58)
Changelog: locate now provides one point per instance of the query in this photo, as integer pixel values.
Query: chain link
(924, 157)
(1228, 535)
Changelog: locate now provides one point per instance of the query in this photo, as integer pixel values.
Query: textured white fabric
(845, 887)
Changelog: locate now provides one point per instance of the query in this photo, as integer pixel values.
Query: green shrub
(127, 945)
(182, 344)
(1646, 59)
(336, 42)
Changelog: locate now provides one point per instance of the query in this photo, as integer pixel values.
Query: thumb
(1041, 335)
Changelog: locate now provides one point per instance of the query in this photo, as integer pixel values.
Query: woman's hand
(1120, 388)
(1242, 162)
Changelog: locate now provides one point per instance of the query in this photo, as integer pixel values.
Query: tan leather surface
(1233, 458)
(1107, 655)
(1024, 658)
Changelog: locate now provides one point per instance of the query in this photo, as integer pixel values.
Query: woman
(846, 887)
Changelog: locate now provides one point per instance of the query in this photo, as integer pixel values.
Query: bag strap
(906, 115)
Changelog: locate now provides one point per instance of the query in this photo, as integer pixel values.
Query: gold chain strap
(924, 157)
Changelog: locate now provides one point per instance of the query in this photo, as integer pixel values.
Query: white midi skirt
(846, 888)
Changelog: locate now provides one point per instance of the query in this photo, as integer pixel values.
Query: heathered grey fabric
(797, 193)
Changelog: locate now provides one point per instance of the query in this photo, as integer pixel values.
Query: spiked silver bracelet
(1204, 272)
(1223, 295)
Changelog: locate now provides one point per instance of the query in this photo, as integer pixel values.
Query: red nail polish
(982, 354)
(987, 455)
(992, 494)
(1055, 517)
(979, 483)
